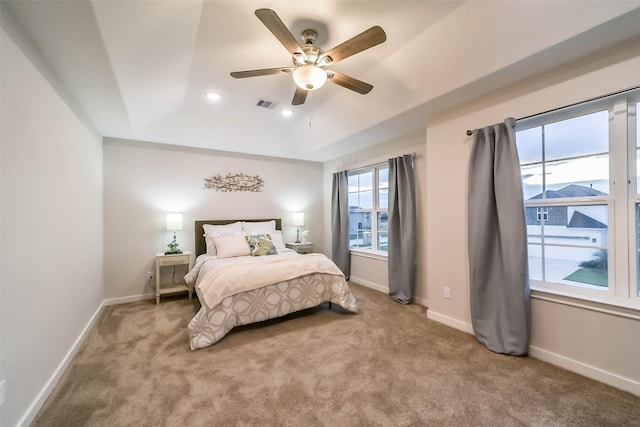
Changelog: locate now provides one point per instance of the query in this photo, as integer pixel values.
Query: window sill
(379, 255)
(627, 309)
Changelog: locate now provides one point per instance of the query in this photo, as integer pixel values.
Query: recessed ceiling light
(286, 112)
(213, 96)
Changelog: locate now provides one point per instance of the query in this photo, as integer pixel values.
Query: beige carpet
(386, 366)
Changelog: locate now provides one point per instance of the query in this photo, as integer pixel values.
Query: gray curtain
(340, 223)
(402, 229)
(499, 278)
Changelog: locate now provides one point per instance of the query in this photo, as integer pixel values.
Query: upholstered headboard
(201, 246)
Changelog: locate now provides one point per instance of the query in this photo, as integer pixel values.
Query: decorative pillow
(276, 238)
(261, 244)
(262, 227)
(209, 240)
(232, 246)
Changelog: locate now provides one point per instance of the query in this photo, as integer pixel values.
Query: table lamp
(174, 223)
(298, 220)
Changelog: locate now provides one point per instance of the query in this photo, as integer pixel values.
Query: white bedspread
(228, 277)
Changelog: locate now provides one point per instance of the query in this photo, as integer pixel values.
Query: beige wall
(143, 181)
(585, 340)
(368, 270)
(51, 272)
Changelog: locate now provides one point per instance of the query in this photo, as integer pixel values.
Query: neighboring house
(575, 225)
(360, 228)
(558, 215)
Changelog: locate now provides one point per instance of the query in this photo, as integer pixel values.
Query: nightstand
(163, 260)
(301, 248)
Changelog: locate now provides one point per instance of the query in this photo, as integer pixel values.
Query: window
(542, 214)
(368, 202)
(580, 171)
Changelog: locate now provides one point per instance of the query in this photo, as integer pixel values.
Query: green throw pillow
(261, 244)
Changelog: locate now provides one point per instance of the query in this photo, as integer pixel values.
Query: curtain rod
(597, 98)
(413, 155)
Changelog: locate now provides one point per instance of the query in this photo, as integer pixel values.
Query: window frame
(633, 146)
(623, 289)
(374, 211)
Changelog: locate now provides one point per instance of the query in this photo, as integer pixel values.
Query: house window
(368, 203)
(578, 167)
(542, 214)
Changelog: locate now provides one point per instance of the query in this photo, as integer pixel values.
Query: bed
(244, 274)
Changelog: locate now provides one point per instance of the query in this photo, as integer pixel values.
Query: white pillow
(227, 228)
(262, 227)
(276, 238)
(232, 246)
(209, 240)
(213, 231)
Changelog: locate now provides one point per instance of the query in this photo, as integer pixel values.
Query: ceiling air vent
(266, 104)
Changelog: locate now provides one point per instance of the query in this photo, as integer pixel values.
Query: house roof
(571, 190)
(580, 220)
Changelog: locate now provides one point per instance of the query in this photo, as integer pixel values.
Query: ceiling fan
(310, 62)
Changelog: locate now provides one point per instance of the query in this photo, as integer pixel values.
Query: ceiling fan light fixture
(309, 77)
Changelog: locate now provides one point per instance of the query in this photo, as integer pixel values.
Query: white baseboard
(422, 301)
(592, 372)
(44, 394)
(564, 362)
(124, 300)
(450, 321)
(369, 284)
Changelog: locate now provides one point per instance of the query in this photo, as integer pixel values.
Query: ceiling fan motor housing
(311, 51)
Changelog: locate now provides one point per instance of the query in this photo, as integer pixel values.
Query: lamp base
(173, 247)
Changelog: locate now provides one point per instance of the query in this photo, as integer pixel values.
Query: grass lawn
(591, 276)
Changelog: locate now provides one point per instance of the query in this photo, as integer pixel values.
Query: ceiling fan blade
(262, 72)
(273, 22)
(349, 82)
(299, 97)
(363, 41)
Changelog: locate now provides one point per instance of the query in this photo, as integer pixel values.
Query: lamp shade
(309, 77)
(298, 218)
(174, 221)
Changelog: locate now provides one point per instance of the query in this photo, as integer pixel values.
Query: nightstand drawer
(173, 261)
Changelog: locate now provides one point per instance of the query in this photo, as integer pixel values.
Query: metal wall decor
(234, 182)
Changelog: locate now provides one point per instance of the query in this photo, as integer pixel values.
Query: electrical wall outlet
(1, 392)
(150, 275)
(446, 291)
